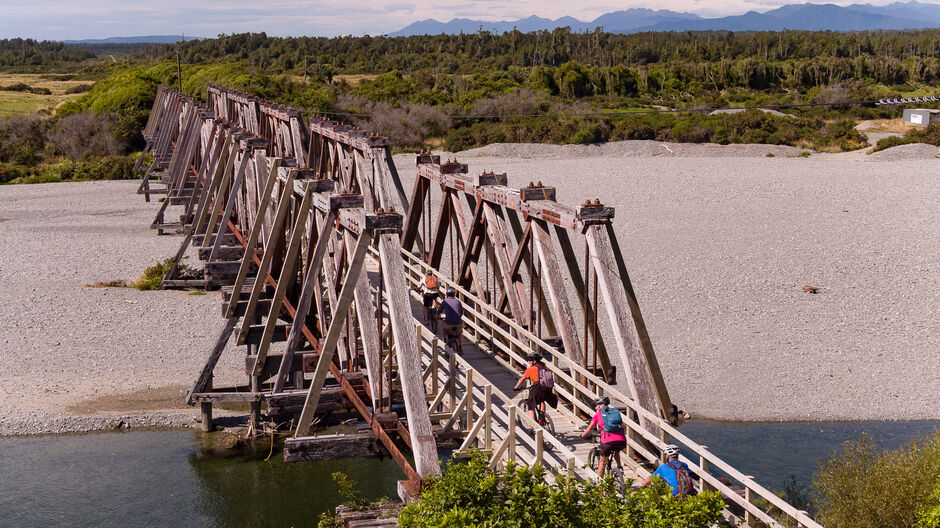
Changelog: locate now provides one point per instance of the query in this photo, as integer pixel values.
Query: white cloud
(77, 19)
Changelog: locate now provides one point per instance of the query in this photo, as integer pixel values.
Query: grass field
(25, 103)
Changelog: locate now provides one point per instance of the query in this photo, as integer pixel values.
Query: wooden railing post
(664, 436)
(435, 375)
(749, 497)
(512, 433)
(488, 428)
(703, 465)
(469, 387)
(452, 383)
(631, 435)
(538, 445)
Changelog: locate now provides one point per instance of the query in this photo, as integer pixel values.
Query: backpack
(546, 378)
(683, 478)
(613, 422)
(430, 282)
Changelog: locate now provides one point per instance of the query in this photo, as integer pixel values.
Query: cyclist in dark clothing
(452, 316)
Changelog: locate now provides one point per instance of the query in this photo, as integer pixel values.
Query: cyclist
(429, 290)
(608, 421)
(539, 394)
(674, 472)
(452, 316)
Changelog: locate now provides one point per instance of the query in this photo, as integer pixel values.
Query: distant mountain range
(155, 39)
(811, 17)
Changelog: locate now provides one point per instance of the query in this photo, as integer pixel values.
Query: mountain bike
(541, 418)
(452, 338)
(594, 460)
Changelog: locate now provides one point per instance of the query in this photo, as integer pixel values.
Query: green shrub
(470, 494)
(95, 168)
(892, 141)
(929, 515)
(152, 277)
(862, 487)
(348, 490)
(929, 135)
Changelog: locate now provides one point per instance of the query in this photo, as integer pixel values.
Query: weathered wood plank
(332, 336)
(557, 294)
(205, 377)
(621, 320)
(332, 446)
(311, 282)
(423, 445)
(288, 271)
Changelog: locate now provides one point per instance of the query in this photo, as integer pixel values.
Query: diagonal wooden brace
(332, 335)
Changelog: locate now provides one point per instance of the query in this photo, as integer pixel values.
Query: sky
(82, 19)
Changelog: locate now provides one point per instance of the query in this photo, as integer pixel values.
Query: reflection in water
(773, 452)
(163, 478)
(245, 490)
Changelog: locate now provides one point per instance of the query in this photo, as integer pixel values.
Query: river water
(171, 478)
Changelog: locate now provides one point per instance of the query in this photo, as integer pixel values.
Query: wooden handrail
(483, 314)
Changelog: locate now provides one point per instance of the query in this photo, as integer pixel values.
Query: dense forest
(462, 91)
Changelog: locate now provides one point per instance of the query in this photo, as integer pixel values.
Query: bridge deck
(497, 372)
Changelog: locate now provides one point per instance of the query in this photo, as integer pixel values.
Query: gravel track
(719, 242)
(64, 343)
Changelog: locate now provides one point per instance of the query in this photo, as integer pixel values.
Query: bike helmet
(604, 400)
(450, 291)
(671, 450)
(533, 356)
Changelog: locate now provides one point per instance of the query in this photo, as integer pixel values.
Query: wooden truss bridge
(319, 252)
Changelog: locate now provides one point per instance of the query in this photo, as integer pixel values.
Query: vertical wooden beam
(208, 193)
(557, 293)
(368, 328)
(423, 444)
(220, 195)
(232, 198)
(642, 334)
(331, 270)
(457, 210)
(441, 227)
(415, 212)
(502, 250)
(253, 235)
(577, 282)
(299, 153)
(635, 363)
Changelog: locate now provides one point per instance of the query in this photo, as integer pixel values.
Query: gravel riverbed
(719, 242)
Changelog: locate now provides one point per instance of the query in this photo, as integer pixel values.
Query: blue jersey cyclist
(673, 471)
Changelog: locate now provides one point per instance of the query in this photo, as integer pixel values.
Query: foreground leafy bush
(929, 515)
(862, 487)
(470, 494)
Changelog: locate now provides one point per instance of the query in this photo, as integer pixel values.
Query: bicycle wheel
(548, 424)
(616, 474)
(594, 457)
